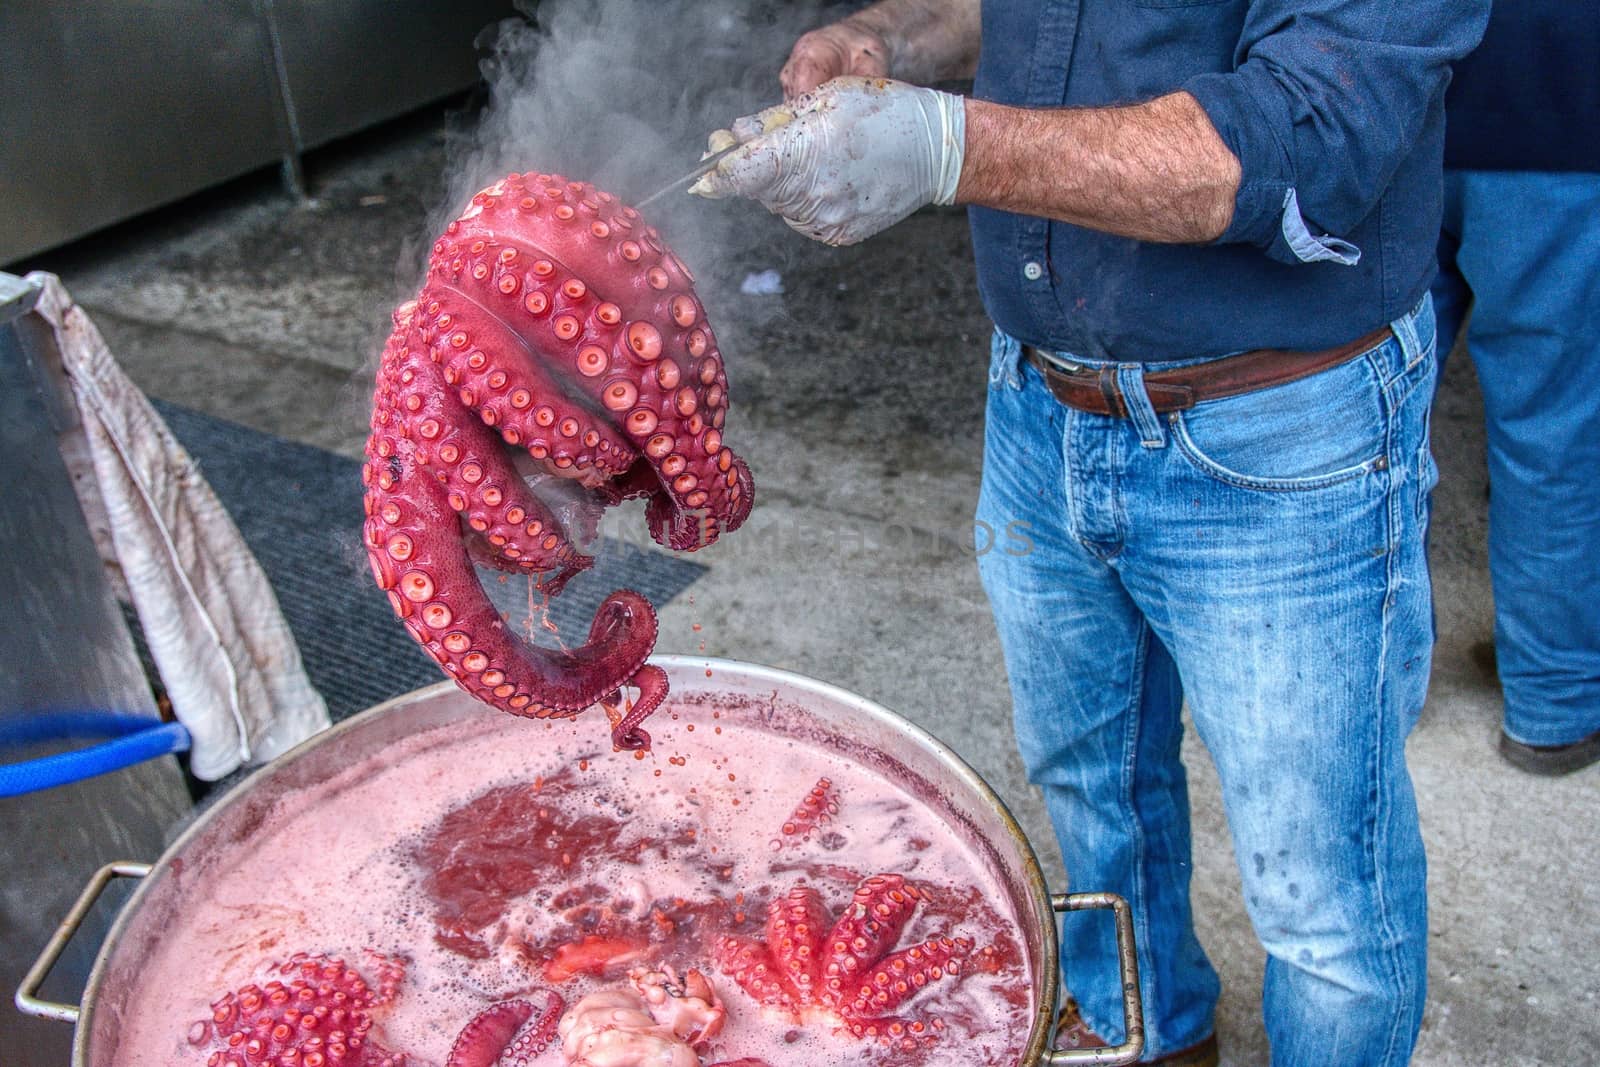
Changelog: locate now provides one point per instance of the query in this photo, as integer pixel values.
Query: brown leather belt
(1095, 389)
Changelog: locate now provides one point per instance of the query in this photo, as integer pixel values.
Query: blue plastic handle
(135, 738)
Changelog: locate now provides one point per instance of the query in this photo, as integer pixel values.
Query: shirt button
(1032, 271)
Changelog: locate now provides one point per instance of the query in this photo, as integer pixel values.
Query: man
(1521, 241)
(1205, 230)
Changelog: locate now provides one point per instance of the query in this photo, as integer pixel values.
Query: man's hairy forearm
(929, 40)
(1155, 171)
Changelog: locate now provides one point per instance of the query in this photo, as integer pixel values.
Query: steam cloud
(623, 93)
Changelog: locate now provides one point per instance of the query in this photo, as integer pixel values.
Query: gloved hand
(847, 160)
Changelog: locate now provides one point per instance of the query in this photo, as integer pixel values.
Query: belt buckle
(1066, 366)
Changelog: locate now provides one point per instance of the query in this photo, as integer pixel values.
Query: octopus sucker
(556, 351)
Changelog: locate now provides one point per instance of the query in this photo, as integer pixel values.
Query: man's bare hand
(846, 47)
(917, 41)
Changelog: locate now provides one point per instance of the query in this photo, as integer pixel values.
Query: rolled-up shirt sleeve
(1327, 99)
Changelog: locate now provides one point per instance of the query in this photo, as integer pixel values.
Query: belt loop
(1005, 360)
(1405, 331)
(1408, 333)
(1130, 382)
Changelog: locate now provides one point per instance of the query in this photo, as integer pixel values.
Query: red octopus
(556, 362)
(845, 968)
(317, 1011)
(307, 1012)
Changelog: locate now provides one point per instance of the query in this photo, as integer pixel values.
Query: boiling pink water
(476, 855)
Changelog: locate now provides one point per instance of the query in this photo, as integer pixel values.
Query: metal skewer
(705, 166)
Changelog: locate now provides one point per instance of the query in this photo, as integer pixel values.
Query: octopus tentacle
(434, 591)
(490, 1033)
(652, 685)
(555, 337)
(535, 1038)
(870, 927)
(749, 963)
(815, 810)
(432, 587)
(849, 972)
(483, 554)
(489, 494)
(796, 923)
(901, 975)
(519, 396)
(310, 1009)
(667, 349)
(904, 1034)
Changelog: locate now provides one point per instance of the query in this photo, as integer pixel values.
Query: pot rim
(1042, 913)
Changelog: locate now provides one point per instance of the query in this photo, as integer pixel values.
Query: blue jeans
(1524, 250)
(1263, 556)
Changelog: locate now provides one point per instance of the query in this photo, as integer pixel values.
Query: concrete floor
(858, 404)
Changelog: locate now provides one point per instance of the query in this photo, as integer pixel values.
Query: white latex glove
(846, 160)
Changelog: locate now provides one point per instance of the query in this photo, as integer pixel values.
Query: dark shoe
(1072, 1032)
(1551, 760)
(1483, 657)
(1202, 1053)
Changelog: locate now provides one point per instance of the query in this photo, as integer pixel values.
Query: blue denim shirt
(1335, 109)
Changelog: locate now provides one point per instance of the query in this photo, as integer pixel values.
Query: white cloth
(225, 655)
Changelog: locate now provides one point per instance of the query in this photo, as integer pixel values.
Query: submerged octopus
(805, 965)
(318, 1011)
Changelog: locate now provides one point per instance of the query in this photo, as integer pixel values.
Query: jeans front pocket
(1309, 434)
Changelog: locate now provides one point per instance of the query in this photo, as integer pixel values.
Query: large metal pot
(778, 700)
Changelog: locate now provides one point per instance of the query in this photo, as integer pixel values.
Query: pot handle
(27, 999)
(1128, 963)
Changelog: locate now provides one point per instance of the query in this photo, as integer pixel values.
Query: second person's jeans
(1263, 556)
(1524, 250)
